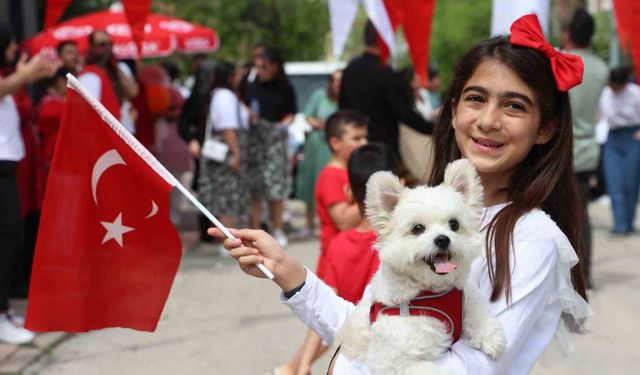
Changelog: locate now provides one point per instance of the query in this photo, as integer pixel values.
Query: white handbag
(212, 148)
(215, 150)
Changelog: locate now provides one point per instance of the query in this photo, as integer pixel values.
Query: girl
(507, 111)
(272, 99)
(222, 185)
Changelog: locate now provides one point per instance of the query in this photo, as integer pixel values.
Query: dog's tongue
(443, 265)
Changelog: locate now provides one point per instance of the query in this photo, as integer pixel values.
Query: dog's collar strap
(446, 307)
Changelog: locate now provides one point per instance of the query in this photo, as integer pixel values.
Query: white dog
(427, 239)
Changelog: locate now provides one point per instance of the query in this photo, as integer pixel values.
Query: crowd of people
(228, 124)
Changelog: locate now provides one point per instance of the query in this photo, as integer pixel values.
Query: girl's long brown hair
(544, 179)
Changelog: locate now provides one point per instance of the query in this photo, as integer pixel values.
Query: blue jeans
(622, 173)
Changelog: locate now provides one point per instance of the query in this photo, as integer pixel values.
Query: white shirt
(125, 107)
(225, 111)
(621, 109)
(541, 290)
(92, 83)
(11, 144)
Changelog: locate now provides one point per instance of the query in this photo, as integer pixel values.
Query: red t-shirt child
(352, 262)
(49, 119)
(329, 191)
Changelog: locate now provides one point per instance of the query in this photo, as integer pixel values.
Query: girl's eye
(474, 98)
(454, 225)
(516, 106)
(417, 229)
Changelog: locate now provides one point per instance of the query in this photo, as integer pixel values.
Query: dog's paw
(489, 338)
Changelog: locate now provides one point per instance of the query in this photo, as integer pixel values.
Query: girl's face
(496, 122)
(11, 52)
(267, 70)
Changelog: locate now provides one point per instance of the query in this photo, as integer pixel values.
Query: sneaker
(11, 333)
(17, 320)
(281, 238)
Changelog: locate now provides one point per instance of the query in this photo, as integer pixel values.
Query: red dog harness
(445, 306)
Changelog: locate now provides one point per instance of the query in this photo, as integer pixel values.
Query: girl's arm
(26, 72)
(315, 304)
(252, 247)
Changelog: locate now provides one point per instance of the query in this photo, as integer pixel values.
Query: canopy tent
(163, 35)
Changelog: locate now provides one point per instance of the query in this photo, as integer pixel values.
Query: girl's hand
(194, 148)
(636, 135)
(252, 247)
(37, 67)
(234, 162)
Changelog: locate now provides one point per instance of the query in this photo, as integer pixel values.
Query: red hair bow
(567, 68)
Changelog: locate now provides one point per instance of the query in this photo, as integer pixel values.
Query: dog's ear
(383, 193)
(462, 176)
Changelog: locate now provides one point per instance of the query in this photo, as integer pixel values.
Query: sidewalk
(219, 321)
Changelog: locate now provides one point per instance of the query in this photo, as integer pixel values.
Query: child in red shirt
(351, 258)
(345, 131)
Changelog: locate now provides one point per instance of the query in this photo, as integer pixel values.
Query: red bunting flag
(55, 10)
(106, 253)
(136, 12)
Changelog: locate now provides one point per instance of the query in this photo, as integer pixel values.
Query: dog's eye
(454, 225)
(417, 229)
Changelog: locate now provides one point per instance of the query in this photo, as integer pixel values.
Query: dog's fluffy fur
(406, 345)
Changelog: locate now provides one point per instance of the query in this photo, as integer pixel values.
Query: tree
(298, 28)
(457, 26)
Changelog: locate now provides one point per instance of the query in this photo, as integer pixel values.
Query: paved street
(219, 321)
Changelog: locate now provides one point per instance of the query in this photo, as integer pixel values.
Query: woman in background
(273, 102)
(323, 102)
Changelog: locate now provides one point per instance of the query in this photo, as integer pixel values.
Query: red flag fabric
(416, 24)
(415, 18)
(106, 253)
(55, 10)
(627, 14)
(136, 12)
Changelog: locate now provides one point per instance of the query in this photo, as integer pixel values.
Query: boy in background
(345, 130)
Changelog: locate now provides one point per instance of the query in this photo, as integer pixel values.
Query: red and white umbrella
(163, 35)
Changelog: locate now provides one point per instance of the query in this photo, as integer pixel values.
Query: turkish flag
(106, 253)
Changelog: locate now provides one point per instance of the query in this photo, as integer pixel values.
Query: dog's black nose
(442, 241)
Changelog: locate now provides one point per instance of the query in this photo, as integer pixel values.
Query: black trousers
(585, 228)
(10, 228)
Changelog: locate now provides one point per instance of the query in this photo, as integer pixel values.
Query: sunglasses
(103, 44)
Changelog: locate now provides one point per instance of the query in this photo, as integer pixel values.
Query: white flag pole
(142, 151)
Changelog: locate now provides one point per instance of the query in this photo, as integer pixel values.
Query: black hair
(432, 71)
(365, 161)
(221, 73)
(61, 73)
(619, 75)
(93, 35)
(370, 35)
(63, 44)
(336, 123)
(172, 69)
(581, 27)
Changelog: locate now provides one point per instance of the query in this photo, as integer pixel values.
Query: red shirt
(329, 191)
(352, 262)
(49, 118)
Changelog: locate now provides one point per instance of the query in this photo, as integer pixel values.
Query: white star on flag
(115, 230)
